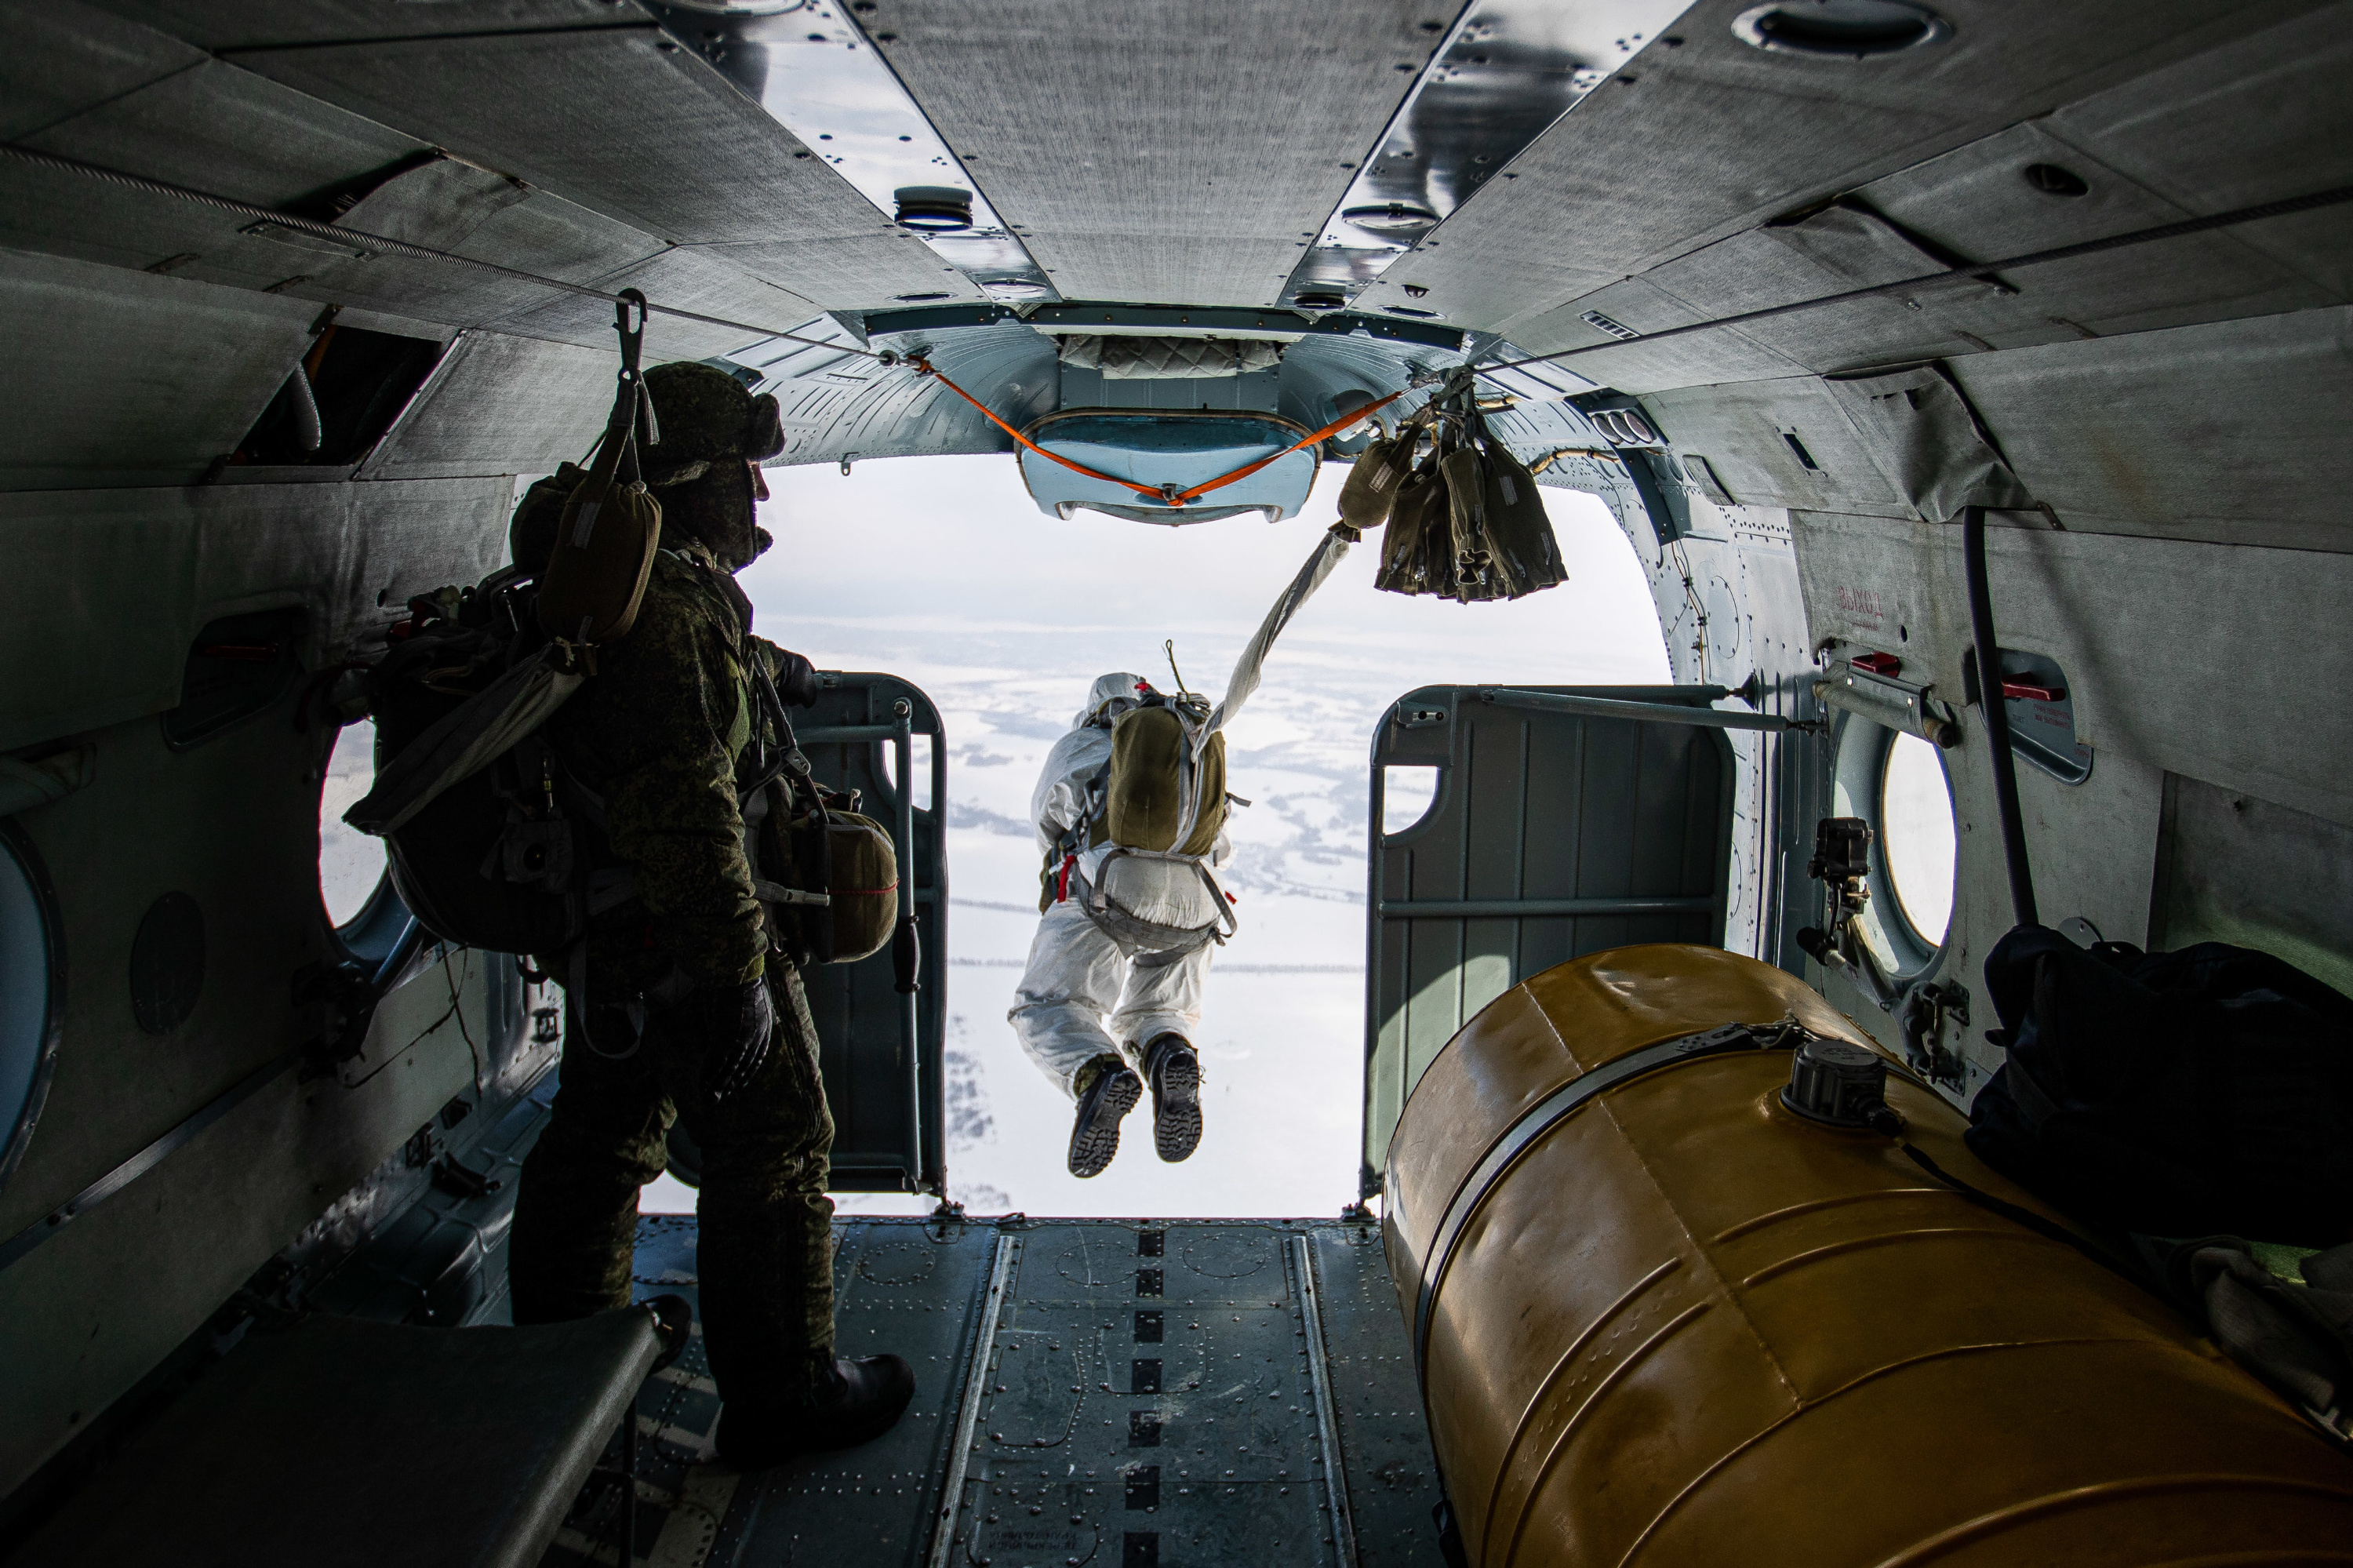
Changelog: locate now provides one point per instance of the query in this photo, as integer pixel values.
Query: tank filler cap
(1836, 1083)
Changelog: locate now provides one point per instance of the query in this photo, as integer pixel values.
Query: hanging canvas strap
(605, 545)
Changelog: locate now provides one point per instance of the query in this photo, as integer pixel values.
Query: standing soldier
(682, 1009)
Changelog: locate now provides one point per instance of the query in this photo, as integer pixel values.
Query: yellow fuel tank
(1663, 1321)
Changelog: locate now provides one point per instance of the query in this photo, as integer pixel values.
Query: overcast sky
(944, 571)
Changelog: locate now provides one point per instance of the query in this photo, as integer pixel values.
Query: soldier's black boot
(1170, 1062)
(854, 1402)
(1107, 1092)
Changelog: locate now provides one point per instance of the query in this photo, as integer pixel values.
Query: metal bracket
(1895, 704)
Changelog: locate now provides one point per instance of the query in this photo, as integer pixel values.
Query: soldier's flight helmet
(705, 415)
(710, 427)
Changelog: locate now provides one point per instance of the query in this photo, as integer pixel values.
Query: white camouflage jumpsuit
(1080, 978)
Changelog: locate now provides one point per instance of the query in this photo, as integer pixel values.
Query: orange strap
(924, 366)
(1333, 429)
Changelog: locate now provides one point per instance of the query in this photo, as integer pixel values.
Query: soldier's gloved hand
(797, 680)
(737, 1022)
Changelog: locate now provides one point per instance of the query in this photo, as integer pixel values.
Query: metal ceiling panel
(1640, 306)
(218, 129)
(2214, 133)
(64, 58)
(622, 121)
(1702, 136)
(121, 379)
(1752, 434)
(2170, 283)
(1182, 152)
(854, 272)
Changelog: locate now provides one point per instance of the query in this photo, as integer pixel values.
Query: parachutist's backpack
(1161, 795)
(1156, 797)
(492, 843)
(2201, 1092)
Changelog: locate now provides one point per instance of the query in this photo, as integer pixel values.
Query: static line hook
(1169, 648)
(632, 337)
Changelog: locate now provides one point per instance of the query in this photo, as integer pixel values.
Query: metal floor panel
(1114, 1394)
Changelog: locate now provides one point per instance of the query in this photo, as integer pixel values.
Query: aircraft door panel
(1551, 835)
(882, 1047)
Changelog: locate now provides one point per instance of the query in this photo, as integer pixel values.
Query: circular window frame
(1859, 752)
(18, 846)
(383, 925)
(379, 929)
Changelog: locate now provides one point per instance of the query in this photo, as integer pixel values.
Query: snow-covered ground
(943, 571)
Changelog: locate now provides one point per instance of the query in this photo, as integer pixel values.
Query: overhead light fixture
(934, 210)
(1319, 300)
(1015, 289)
(1395, 220)
(921, 299)
(1841, 29)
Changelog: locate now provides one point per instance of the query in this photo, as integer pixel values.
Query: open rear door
(881, 1039)
(1566, 820)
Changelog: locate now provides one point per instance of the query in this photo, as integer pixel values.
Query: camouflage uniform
(660, 731)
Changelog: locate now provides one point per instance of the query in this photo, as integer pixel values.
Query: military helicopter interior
(1891, 333)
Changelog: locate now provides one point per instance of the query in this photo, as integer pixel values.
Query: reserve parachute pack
(492, 842)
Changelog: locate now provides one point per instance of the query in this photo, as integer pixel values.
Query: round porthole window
(1916, 837)
(351, 863)
(1897, 783)
(32, 995)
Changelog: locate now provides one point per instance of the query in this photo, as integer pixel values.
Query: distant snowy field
(943, 571)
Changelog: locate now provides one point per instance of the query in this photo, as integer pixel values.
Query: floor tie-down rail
(1096, 1392)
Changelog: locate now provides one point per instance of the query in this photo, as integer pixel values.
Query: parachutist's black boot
(1107, 1092)
(854, 1402)
(1175, 1074)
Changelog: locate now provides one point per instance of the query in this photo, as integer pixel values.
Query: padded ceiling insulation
(1182, 152)
(1695, 142)
(655, 138)
(118, 378)
(249, 24)
(2231, 431)
(498, 404)
(685, 277)
(218, 129)
(64, 58)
